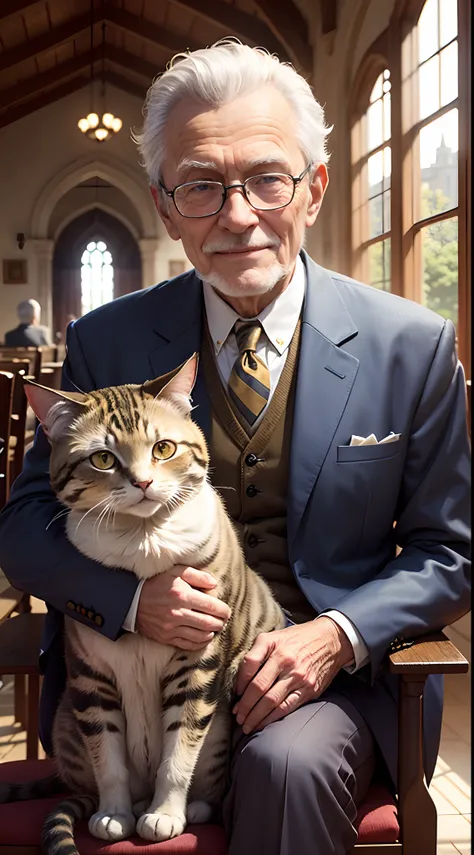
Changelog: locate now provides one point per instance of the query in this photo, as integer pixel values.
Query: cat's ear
(42, 400)
(178, 389)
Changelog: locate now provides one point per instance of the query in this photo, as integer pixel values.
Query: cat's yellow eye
(103, 460)
(164, 449)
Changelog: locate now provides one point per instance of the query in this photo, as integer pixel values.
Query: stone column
(42, 274)
(148, 252)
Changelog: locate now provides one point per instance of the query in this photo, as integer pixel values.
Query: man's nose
(237, 215)
(142, 484)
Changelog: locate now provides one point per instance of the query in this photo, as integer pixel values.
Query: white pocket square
(372, 439)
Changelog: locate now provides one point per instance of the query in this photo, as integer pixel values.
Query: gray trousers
(295, 786)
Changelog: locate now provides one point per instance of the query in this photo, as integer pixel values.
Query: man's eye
(267, 179)
(200, 188)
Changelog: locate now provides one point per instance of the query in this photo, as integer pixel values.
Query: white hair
(216, 75)
(28, 310)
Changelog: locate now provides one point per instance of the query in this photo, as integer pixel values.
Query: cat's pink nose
(142, 484)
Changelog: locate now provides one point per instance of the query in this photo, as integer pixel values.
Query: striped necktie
(249, 382)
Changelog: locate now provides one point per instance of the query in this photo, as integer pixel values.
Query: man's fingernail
(240, 719)
(246, 728)
(236, 709)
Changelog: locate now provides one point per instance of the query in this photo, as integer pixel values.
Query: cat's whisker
(62, 513)
(91, 509)
(99, 519)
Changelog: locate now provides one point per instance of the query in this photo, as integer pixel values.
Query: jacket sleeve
(427, 586)
(35, 553)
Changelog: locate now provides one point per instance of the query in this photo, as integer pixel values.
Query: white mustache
(239, 242)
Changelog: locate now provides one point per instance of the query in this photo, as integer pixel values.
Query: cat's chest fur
(142, 546)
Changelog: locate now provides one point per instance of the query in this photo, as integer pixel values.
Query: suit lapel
(178, 332)
(326, 374)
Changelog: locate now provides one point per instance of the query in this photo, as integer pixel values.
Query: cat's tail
(57, 837)
(43, 788)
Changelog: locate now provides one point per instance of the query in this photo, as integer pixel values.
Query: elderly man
(355, 422)
(29, 332)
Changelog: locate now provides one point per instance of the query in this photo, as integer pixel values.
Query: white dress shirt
(279, 321)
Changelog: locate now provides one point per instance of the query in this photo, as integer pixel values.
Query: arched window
(433, 120)
(371, 186)
(97, 276)
(411, 160)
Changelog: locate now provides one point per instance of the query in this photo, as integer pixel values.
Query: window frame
(394, 50)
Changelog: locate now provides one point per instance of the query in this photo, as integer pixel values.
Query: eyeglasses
(266, 192)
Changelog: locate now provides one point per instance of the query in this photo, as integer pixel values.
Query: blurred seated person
(29, 332)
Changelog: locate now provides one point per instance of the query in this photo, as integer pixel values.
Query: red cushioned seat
(21, 822)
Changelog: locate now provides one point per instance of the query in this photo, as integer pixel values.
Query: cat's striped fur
(144, 728)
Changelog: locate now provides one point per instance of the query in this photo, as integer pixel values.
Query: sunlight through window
(97, 276)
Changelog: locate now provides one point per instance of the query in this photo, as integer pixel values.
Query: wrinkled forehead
(249, 129)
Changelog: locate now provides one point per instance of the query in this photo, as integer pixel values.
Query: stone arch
(116, 172)
(108, 209)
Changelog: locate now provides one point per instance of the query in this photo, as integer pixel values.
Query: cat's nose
(142, 484)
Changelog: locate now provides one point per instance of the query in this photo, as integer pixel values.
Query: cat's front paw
(112, 826)
(160, 826)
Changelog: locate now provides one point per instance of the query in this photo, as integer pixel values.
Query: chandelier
(92, 125)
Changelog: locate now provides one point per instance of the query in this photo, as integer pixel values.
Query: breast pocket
(371, 476)
(367, 453)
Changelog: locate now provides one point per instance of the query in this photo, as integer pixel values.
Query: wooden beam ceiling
(35, 84)
(42, 100)
(290, 27)
(237, 23)
(150, 32)
(117, 56)
(329, 12)
(121, 82)
(12, 7)
(45, 42)
(131, 62)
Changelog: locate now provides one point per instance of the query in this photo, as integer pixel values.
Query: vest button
(252, 491)
(251, 459)
(252, 540)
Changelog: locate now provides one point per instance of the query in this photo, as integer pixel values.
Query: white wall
(39, 147)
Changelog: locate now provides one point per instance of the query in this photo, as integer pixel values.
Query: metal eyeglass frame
(226, 187)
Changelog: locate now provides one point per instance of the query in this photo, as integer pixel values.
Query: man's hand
(172, 611)
(288, 667)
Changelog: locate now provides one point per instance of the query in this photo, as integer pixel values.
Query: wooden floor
(450, 788)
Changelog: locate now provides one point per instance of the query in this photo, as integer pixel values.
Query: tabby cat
(132, 468)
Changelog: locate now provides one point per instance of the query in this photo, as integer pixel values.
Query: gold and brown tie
(249, 382)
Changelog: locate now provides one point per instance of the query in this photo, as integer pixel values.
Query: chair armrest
(430, 654)
(10, 599)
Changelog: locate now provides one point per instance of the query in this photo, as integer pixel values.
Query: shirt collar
(278, 319)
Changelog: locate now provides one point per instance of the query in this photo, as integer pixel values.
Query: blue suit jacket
(369, 363)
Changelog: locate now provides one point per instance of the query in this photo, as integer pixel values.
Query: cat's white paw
(140, 807)
(108, 826)
(160, 826)
(198, 812)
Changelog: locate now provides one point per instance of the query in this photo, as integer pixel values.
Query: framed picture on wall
(176, 267)
(15, 271)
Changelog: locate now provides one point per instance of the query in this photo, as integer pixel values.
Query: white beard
(262, 281)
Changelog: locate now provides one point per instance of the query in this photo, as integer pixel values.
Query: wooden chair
(12, 462)
(7, 381)
(34, 356)
(51, 373)
(16, 447)
(469, 411)
(405, 826)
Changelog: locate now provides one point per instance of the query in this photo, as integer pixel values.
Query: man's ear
(317, 189)
(42, 401)
(163, 205)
